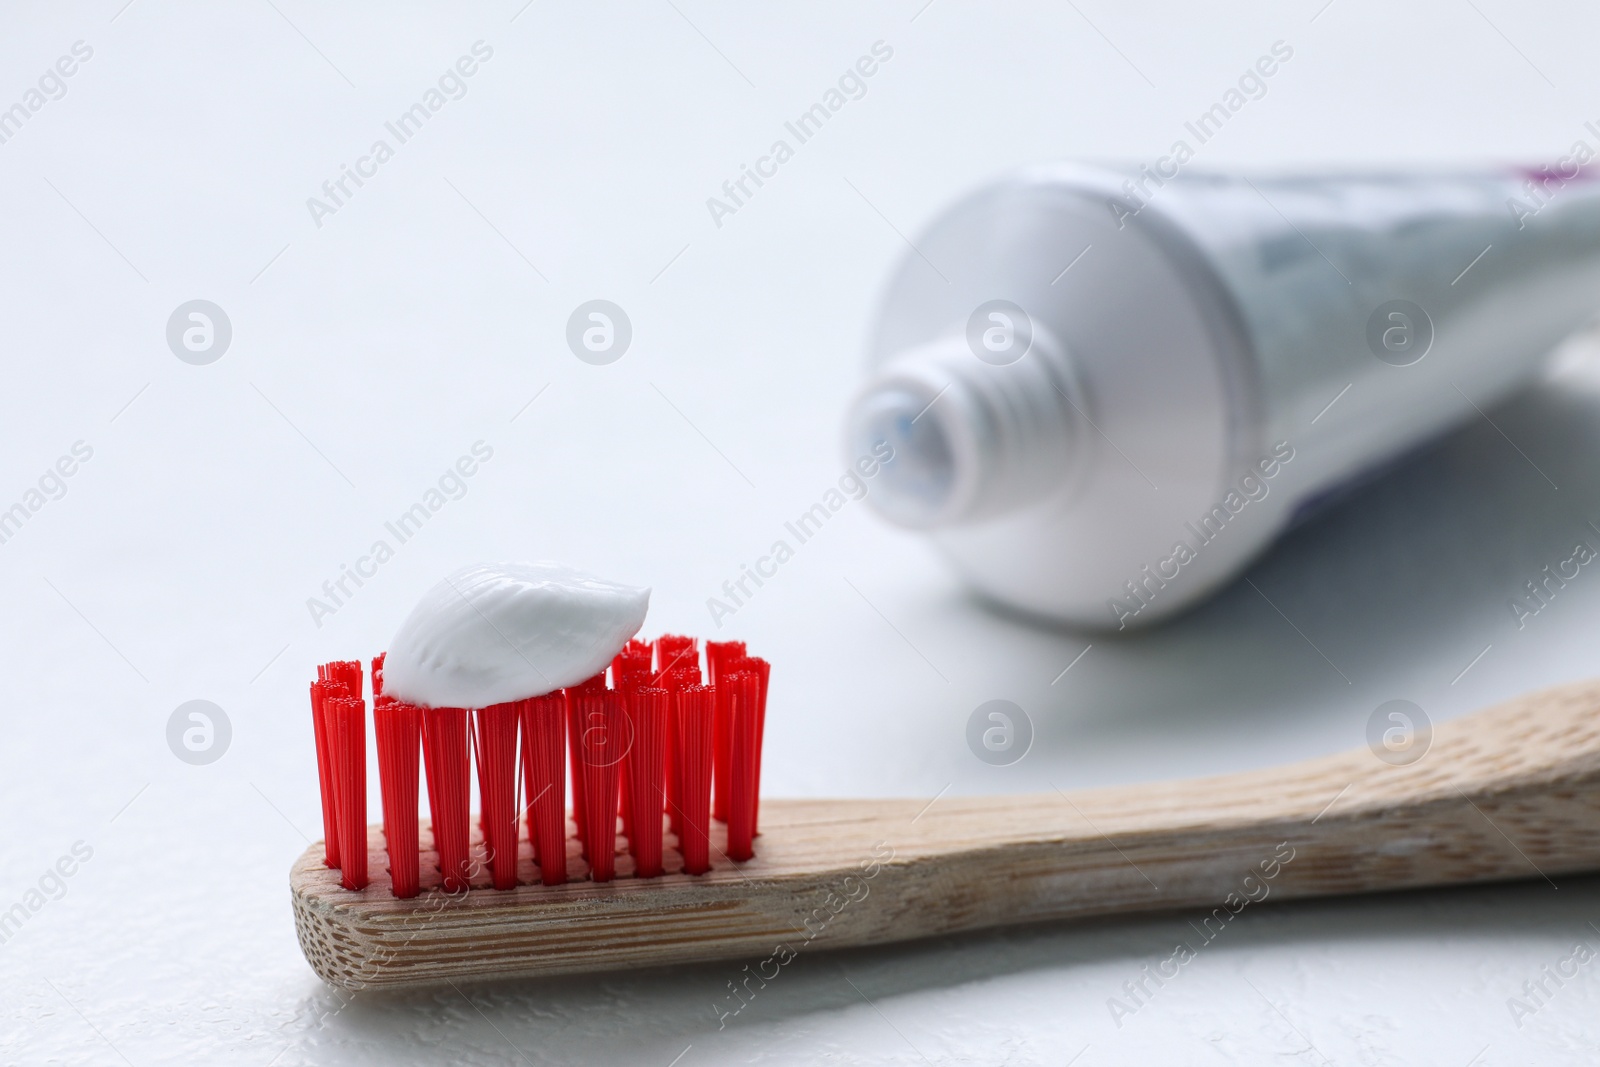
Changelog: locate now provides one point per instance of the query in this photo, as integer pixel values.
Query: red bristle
(574, 731)
(345, 671)
(320, 691)
(599, 742)
(630, 669)
(722, 751)
(344, 676)
(719, 654)
(596, 684)
(497, 790)
(676, 681)
(472, 747)
(341, 677)
(624, 786)
(679, 678)
(587, 687)
(674, 652)
(763, 671)
(671, 772)
(347, 720)
(648, 709)
(398, 728)
(672, 682)
(631, 666)
(740, 694)
(692, 758)
(435, 789)
(671, 645)
(444, 753)
(377, 674)
(544, 741)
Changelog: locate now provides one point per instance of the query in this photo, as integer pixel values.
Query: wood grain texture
(1509, 792)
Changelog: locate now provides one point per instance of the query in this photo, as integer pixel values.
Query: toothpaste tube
(1107, 391)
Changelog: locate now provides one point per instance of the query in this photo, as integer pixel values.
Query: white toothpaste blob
(496, 632)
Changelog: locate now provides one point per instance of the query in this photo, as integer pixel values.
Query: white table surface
(368, 353)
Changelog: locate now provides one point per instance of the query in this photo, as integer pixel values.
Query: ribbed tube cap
(970, 440)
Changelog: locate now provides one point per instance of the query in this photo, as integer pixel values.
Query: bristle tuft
(444, 752)
(398, 727)
(347, 672)
(544, 766)
(719, 656)
(739, 694)
(763, 671)
(347, 720)
(675, 652)
(321, 690)
(648, 709)
(692, 758)
(631, 667)
(598, 741)
(496, 737)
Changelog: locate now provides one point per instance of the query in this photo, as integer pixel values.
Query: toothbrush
(1509, 792)
(649, 743)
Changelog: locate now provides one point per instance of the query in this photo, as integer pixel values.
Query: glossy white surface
(370, 353)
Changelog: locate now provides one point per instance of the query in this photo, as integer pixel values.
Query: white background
(370, 352)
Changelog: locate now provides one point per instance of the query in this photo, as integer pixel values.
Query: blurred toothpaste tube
(1107, 391)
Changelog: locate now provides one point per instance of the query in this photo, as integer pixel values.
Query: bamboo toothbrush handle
(1509, 792)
